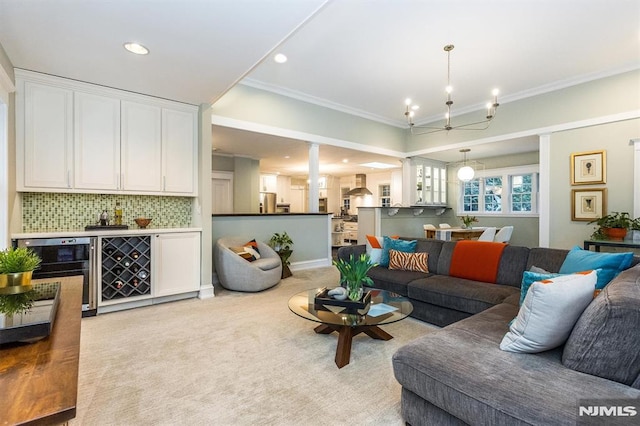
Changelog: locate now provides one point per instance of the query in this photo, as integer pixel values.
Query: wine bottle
(135, 268)
(117, 271)
(127, 263)
(135, 282)
(135, 254)
(118, 256)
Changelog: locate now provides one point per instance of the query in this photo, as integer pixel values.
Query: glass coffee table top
(385, 307)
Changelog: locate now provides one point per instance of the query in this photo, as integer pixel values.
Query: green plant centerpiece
(16, 269)
(468, 221)
(281, 244)
(613, 226)
(353, 273)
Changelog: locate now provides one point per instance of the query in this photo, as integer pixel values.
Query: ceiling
(359, 57)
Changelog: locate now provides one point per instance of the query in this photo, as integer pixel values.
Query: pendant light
(465, 173)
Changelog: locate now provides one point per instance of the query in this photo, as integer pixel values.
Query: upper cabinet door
(141, 147)
(48, 138)
(179, 151)
(97, 142)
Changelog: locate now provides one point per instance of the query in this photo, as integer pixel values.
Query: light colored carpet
(235, 359)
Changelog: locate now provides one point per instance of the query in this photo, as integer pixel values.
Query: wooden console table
(40, 380)
(608, 243)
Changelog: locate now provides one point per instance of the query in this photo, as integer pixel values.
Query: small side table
(608, 243)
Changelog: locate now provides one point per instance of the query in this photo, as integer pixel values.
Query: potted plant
(281, 244)
(612, 226)
(16, 269)
(468, 221)
(353, 273)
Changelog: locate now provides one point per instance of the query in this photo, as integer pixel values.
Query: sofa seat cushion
(394, 280)
(267, 263)
(461, 369)
(605, 341)
(459, 294)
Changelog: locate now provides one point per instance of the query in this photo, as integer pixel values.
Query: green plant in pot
(281, 244)
(468, 221)
(353, 273)
(613, 226)
(16, 269)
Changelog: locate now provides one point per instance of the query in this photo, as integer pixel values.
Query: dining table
(454, 234)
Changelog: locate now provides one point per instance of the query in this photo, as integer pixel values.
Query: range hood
(361, 186)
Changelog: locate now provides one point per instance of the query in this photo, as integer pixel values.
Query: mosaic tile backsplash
(51, 212)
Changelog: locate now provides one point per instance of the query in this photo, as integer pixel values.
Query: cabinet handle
(164, 183)
(68, 178)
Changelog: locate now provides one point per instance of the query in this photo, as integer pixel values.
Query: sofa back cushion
(606, 338)
(546, 258)
(510, 270)
(476, 260)
(431, 246)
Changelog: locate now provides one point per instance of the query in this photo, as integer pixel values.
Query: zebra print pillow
(408, 261)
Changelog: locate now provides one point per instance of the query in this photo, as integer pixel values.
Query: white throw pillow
(550, 310)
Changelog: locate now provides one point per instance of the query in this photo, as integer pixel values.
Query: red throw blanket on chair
(476, 260)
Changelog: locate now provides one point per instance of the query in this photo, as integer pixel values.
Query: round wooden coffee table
(385, 308)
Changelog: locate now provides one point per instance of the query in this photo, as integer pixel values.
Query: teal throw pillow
(393, 244)
(612, 264)
(529, 278)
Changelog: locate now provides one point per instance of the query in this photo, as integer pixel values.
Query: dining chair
(504, 234)
(444, 226)
(488, 234)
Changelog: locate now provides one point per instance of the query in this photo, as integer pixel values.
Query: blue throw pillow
(611, 264)
(393, 244)
(529, 278)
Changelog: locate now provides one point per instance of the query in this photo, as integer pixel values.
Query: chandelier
(477, 125)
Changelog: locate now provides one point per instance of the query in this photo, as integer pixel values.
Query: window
(522, 193)
(512, 190)
(385, 195)
(471, 195)
(493, 194)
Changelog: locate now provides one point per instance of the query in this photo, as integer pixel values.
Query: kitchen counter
(40, 380)
(101, 233)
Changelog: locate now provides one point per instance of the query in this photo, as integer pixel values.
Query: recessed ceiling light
(136, 48)
(280, 58)
(346, 160)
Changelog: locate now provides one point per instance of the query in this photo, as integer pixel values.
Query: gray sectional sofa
(459, 375)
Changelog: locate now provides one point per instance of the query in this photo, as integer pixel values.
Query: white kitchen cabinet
(96, 142)
(179, 151)
(141, 145)
(176, 263)
(46, 132)
(78, 137)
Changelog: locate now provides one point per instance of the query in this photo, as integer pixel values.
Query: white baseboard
(310, 264)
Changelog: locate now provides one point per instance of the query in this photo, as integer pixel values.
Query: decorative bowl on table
(142, 222)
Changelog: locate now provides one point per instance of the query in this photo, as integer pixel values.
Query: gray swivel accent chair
(236, 273)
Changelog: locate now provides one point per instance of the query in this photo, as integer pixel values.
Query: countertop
(101, 233)
(40, 380)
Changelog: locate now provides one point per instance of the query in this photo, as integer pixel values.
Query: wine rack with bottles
(126, 267)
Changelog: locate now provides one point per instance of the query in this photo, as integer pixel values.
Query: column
(314, 175)
(636, 177)
(407, 186)
(544, 204)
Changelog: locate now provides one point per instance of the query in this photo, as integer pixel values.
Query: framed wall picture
(588, 168)
(588, 204)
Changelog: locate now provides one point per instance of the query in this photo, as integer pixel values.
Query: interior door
(221, 192)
